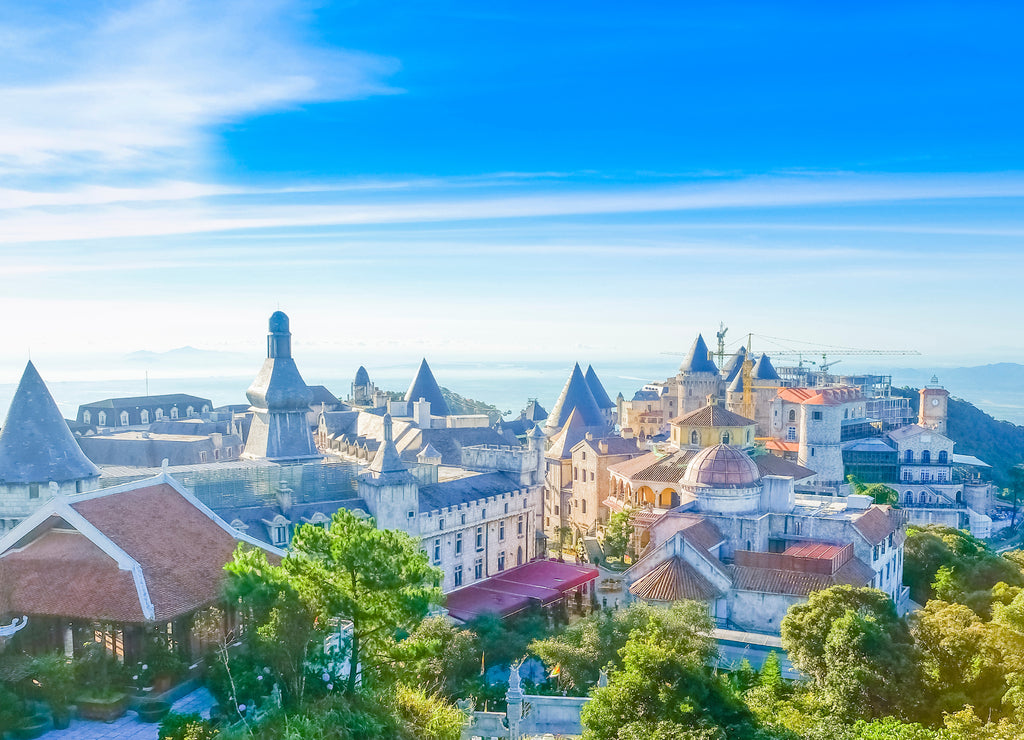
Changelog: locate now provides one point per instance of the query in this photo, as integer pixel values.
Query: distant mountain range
(997, 376)
(185, 355)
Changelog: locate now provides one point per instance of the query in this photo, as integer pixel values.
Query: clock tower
(934, 400)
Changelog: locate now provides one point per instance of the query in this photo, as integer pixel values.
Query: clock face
(935, 402)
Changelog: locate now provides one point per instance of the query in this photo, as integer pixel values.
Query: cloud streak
(187, 208)
(135, 91)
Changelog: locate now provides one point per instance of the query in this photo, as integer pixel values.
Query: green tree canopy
(856, 650)
(591, 644)
(664, 689)
(618, 534)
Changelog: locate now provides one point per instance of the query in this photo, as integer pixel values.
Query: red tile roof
(820, 396)
(782, 446)
(180, 549)
(62, 573)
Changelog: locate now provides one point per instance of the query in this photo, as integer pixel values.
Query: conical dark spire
(698, 360)
(734, 364)
(36, 445)
(424, 386)
(763, 369)
(572, 433)
(597, 389)
(576, 395)
(362, 377)
(387, 459)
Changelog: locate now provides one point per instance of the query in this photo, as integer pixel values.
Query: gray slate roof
(36, 445)
(424, 386)
(699, 359)
(600, 394)
(166, 399)
(576, 395)
(763, 369)
(643, 395)
(465, 490)
(387, 459)
(533, 412)
(734, 364)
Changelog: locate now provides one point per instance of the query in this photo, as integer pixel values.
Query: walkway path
(129, 727)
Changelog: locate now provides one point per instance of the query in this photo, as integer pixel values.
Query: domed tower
(280, 401)
(698, 378)
(724, 479)
(934, 406)
(362, 388)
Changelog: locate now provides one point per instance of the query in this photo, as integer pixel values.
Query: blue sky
(555, 180)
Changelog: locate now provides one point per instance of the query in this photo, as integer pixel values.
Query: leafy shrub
(186, 727)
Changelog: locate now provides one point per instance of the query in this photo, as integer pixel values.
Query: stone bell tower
(934, 406)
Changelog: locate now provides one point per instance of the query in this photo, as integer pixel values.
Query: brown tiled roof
(660, 469)
(64, 574)
(672, 580)
(795, 583)
(713, 415)
(877, 523)
(782, 445)
(181, 552)
(629, 467)
(774, 465)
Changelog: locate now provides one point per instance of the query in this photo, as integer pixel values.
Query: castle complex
(735, 476)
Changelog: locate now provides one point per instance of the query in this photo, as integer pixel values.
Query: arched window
(159, 414)
(908, 456)
(86, 417)
(943, 457)
(124, 418)
(749, 435)
(694, 437)
(190, 412)
(206, 408)
(792, 415)
(145, 416)
(725, 438)
(926, 457)
(584, 506)
(519, 555)
(174, 412)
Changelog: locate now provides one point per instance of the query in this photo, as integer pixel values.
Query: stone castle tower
(280, 403)
(698, 378)
(390, 491)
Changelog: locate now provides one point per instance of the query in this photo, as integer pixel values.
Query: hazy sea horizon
(507, 385)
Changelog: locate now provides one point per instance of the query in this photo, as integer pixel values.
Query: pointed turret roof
(36, 445)
(735, 364)
(600, 394)
(387, 459)
(699, 359)
(763, 369)
(736, 386)
(424, 386)
(576, 395)
(533, 411)
(573, 432)
(362, 377)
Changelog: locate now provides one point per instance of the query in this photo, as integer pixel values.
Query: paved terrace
(129, 727)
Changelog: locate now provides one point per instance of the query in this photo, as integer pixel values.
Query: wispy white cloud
(184, 208)
(136, 89)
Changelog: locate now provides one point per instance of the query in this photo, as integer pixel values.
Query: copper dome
(721, 466)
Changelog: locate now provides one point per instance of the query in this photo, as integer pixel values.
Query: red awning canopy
(542, 582)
